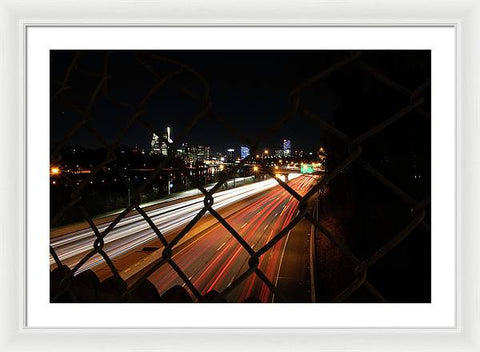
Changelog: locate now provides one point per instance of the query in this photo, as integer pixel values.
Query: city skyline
(157, 146)
(161, 146)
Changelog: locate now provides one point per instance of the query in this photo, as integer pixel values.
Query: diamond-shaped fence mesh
(74, 282)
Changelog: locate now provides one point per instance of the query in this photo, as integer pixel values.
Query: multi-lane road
(209, 255)
(215, 258)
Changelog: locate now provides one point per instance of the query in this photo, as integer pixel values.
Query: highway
(209, 254)
(133, 231)
(214, 258)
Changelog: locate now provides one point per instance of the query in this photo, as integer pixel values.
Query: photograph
(240, 176)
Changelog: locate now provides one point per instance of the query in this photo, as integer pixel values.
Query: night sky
(249, 89)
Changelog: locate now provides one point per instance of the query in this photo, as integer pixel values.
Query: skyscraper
(231, 155)
(207, 153)
(192, 154)
(185, 152)
(166, 136)
(244, 152)
(287, 148)
(203, 153)
(160, 147)
(155, 145)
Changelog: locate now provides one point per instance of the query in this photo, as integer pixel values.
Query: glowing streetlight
(266, 151)
(255, 168)
(54, 170)
(276, 167)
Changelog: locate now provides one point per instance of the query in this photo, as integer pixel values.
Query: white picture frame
(15, 17)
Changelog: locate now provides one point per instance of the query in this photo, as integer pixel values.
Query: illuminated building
(203, 153)
(160, 147)
(166, 136)
(244, 152)
(231, 155)
(195, 153)
(287, 148)
(155, 145)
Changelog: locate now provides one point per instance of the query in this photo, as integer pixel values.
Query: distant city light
(54, 170)
(244, 152)
(159, 146)
(287, 147)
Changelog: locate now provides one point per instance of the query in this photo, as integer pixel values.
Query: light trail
(133, 231)
(214, 268)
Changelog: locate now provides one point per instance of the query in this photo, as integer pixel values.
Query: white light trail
(134, 231)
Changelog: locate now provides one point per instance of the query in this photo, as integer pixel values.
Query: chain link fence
(72, 284)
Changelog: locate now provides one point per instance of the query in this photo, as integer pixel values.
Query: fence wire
(66, 285)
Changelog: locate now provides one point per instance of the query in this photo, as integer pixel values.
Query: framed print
(145, 210)
(270, 183)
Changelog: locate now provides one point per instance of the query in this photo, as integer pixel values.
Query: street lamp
(255, 171)
(54, 170)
